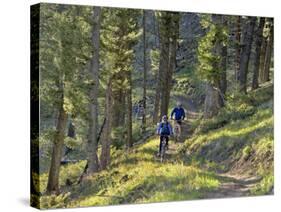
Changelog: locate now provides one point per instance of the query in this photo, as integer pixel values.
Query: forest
(107, 76)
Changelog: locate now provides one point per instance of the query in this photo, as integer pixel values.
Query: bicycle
(177, 130)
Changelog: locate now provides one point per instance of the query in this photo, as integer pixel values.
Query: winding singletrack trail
(232, 184)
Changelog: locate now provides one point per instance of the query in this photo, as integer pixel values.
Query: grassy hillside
(136, 177)
(239, 142)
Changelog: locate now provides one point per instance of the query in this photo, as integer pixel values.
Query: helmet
(164, 118)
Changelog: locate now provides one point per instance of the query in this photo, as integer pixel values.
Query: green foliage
(64, 52)
(119, 33)
(209, 56)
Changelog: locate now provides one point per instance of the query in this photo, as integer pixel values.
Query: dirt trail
(232, 185)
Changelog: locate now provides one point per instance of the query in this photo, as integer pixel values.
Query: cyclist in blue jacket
(164, 130)
(178, 113)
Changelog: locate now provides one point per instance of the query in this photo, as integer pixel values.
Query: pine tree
(258, 37)
(211, 65)
(64, 52)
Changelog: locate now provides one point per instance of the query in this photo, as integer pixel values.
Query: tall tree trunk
(164, 62)
(238, 47)
(259, 36)
(106, 139)
(173, 52)
(144, 73)
(245, 53)
(223, 80)
(129, 111)
(262, 58)
(53, 180)
(159, 80)
(93, 164)
(157, 99)
(268, 54)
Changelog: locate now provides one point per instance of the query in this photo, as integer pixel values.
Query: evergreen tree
(210, 61)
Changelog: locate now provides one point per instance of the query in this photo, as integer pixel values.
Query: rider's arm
(170, 129)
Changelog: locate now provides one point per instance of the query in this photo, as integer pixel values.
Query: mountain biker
(178, 113)
(164, 130)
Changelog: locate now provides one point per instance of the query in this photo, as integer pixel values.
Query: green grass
(245, 142)
(133, 177)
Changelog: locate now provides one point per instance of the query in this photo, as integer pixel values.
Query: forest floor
(192, 169)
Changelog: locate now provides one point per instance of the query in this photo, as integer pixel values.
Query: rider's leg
(161, 139)
(179, 126)
(167, 141)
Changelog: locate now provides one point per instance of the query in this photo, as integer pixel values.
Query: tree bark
(245, 53)
(159, 80)
(93, 164)
(144, 74)
(53, 180)
(268, 54)
(212, 103)
(259, 36)
(172, 57)
(164, 62)
(238, 47)
(106, 138)
(129, 111)
(262, 58)
(223, 80)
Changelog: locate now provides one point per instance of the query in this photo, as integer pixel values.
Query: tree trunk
(212, 101)
(268, 54)
(172, 57)
(238, 47)
(144, 74)
(93, 164)
(164, 62)
(157, 99)
(245, 53)
(259, 36)
(129, 111)
(53, 180)
(262, 59)
(106, 139)
(223, 80)
(158, 90)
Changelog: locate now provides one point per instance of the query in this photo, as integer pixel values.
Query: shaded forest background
(108, 75)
